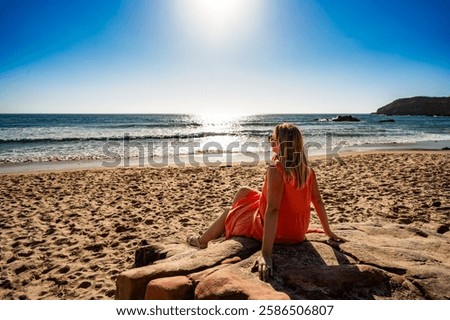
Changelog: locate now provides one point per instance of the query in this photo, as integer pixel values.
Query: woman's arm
(320, 209)
(274, 194)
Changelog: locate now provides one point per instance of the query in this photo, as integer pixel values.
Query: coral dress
(246, 217)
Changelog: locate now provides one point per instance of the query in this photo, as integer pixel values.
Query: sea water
(116, 138)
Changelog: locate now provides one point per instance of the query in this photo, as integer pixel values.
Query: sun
(217, 21)
(219, 15)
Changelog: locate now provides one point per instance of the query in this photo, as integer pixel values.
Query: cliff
(417, 106)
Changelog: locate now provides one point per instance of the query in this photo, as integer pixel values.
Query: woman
(281, 212)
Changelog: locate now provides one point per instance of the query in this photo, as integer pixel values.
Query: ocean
(116, 138)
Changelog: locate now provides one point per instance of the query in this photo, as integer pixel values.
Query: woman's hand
(265, 267)
(334, 237)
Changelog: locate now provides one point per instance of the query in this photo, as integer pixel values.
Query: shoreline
(213, 160)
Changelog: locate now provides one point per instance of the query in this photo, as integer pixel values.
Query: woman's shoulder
(275, 175)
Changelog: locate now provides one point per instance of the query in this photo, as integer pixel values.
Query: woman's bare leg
(217, 228)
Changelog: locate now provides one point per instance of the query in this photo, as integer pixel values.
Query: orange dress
(246, 217)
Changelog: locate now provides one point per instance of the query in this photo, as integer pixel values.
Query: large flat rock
(420, 255)
(131, 284)
(379, 261)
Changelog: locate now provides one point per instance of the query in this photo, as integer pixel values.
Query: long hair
(291, 152)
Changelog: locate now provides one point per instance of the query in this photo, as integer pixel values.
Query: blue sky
(245, 56)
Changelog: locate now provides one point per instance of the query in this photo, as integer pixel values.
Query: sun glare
(219, 15)
(217, 21)
(218, 119)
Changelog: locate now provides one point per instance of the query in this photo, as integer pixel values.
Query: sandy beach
(68, 234)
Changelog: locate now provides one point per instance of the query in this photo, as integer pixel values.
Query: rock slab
(170, 288)
(379, 261)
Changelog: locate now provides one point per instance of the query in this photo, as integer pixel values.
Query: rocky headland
(426, 106)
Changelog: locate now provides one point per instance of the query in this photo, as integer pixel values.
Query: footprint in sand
(16, 244)
(25, 254)
(21, 269)
(110, 293)
(185, 222)
(84, 285)
(6, 284)
(94, 267)
(64, 269)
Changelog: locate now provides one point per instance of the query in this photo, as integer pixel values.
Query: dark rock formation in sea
(426, 106)
(388, 120)
(378, 261)
(345, 118)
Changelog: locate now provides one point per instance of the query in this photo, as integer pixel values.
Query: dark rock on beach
(379, 261)
(427, 106)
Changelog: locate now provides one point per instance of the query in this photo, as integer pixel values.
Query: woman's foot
(194, 241)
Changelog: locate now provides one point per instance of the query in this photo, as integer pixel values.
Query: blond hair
(291, 152)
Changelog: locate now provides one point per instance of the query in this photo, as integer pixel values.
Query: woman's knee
(242, 193)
